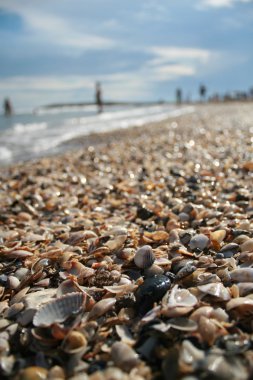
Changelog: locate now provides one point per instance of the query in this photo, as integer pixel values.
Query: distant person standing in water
(7, 107)
(99, 101)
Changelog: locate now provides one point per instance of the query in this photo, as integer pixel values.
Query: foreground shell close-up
(126, 260)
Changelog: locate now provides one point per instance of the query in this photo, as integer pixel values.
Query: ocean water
(26, 136)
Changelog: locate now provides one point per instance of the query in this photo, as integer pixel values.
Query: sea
(30, 135)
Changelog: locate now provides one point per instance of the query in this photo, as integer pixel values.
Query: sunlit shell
(218, 235)
(217, 290)
(75, 342)
(181, 298)
(245, 288)
(183, 324)
(59, 310)
(144, 257)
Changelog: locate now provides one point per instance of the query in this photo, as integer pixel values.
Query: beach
(127, 256)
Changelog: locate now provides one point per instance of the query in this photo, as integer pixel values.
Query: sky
(53, 51)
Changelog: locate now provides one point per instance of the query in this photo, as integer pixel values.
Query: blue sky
(54, 50)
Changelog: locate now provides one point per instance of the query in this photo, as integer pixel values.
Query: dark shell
(152, 290)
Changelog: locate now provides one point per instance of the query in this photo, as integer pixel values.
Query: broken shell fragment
(59, 309)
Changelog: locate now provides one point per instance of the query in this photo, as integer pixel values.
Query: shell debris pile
(132, 259)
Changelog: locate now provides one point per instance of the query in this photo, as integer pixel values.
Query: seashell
(19, 254)
(245, 288)
(126, 254)
(183, 324)
(13, 282)
(201, 311)
(216, 290)
(116, 243)
(240, 303)
(229, 250)
(247, 246)
(67, 286)
(242, 275)
(189, 354)
(33, 373)
(101, 307)
(35, 299)
(181, 298)
(185, 271)
(74, 343)
(13, 310)
(124, 356)
(124, 334)
(151, 291)
(144, 257)
(121, 289)
(199, 241)
(159, 235)
(208, 330)
(153, 270)
(240, 239)
(59, 310)
(218, 235)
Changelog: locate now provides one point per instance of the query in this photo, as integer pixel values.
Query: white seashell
(242, 275)
(181, 298)
(199, 241)
(59, 309)
(144, 257)
(215, 289)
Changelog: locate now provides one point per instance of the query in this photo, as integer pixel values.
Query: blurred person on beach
(202, 92)
(7, 107)
(178, 95)
(98, 97)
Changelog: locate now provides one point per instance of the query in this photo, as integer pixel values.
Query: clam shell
(242, 275)
(124, 356)
(144, 257)
(59, 309)
(199, 241)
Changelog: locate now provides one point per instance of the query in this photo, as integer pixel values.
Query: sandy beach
(127, 258)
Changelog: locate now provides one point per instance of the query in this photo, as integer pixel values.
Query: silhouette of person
(179, 95)
(202, 91)
(98, 96)
(7, 107)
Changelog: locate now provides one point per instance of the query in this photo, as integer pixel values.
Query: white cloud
(171, 53)
(221, 3)
(56, 30)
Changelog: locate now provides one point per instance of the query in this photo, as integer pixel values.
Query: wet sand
(74, 224)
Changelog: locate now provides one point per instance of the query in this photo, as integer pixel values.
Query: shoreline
(74, 225)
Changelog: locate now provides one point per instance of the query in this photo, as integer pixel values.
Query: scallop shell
(144, 257)
(59, 309)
